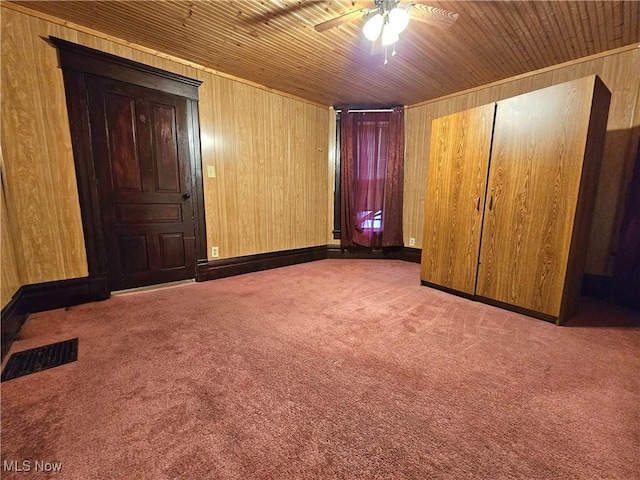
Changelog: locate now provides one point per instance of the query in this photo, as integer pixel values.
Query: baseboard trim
(214, 269)
(229, 267)
(39, 297)
(13, 317)
(407, 254)
(411, 254)
(598, 286)
(612, 291)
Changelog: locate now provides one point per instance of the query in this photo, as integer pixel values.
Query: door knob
(186, 195)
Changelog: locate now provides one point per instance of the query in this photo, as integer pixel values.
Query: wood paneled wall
(619, 71)
(43, 212)
(10, 279)
(269, 152)
(270, 158)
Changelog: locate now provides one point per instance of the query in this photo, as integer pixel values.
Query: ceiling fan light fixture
(373, 27)
(398, 19)
(389, 35)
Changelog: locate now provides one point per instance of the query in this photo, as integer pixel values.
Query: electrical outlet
(412, 242)
(215, 252)
(211, 171)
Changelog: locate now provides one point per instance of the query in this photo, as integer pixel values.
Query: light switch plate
(211, 171)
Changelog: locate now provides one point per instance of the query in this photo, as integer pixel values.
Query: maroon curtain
(371, 178)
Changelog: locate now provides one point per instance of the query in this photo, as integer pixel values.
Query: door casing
(77, 62)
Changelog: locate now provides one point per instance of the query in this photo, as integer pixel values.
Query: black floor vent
(41, 358)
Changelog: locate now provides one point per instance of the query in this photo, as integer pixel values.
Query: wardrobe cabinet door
(456, 185)
(534, 180)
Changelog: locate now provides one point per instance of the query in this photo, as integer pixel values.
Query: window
(368, 202)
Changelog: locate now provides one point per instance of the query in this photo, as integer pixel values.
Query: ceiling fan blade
(431, 15)
(340, 19)
(376, 47)
(282, 8)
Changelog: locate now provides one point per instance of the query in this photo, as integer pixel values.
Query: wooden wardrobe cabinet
(510, 191)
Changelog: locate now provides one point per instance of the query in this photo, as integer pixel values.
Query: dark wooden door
(141, 153)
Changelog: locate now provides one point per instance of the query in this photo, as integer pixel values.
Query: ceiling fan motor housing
(386, 5)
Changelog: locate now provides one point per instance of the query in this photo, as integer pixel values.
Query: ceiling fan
(388, 18)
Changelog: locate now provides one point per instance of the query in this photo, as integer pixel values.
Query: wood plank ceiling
(273, 42)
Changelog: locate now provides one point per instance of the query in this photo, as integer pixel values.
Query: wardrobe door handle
(491, 203)
(478, 204)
